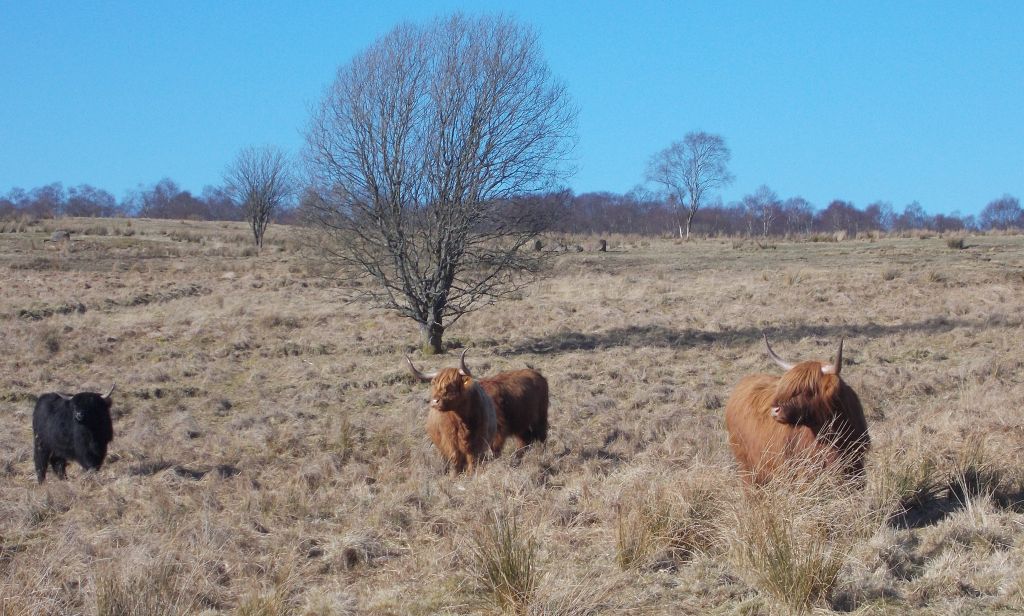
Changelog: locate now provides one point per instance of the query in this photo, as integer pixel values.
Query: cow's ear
(467, 381)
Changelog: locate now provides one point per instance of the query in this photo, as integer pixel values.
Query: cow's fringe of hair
(826, 387)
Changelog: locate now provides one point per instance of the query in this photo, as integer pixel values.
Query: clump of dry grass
(506, 561)
(330, 603)
(890, 274)
(663, 528)
(156, 589)
(975, 472)
(791, 537)
(905, 481)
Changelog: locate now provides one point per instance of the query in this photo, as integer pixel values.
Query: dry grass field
(269, 454)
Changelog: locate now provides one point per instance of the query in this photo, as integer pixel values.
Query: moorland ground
(270, 458)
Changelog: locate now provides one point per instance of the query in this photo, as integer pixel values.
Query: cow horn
(64, 396)
(463, 368)
(106, 396)
(416, 373)
(838, 364)
(785, 365)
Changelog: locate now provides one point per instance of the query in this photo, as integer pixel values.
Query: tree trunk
(433, 334)
(689, 220)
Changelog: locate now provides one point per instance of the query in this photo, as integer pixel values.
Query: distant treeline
(638, 212)
(165, 199)
(763, 214)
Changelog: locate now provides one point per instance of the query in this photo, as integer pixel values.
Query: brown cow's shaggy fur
(461, 421)
(521, 403)
(807, 414)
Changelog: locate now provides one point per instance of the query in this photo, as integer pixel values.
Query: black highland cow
(74, 427)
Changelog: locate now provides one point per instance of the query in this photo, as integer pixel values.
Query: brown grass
(269, 452)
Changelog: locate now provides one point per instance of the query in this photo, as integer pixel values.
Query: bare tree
(798, 214)
(422, 154)
(689, 170)
(261, 183)
(764, 207)
(1002, 213)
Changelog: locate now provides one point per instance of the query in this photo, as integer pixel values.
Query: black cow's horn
(785, 365)
(106, 396)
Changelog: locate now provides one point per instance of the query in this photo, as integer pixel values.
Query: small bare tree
(798, 214)
(764, 207)
(688, 170)
(260, 182)
(423, 155)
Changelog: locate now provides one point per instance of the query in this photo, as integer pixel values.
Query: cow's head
(448, 386)
(88, 405)
(808, 391)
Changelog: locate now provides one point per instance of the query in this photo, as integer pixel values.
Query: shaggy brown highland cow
(461, 421)
(807, 415)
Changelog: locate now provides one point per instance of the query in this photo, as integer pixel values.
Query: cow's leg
(458, 463)
(42, 458)
(59, 466)
(539, 431)
(497, 444)
(522, 443)
(471, 460)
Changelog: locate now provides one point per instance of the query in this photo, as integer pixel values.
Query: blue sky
(863, 101)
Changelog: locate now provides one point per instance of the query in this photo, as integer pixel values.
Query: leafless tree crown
(422, 152)
(763, 208)
(261, 183)
(689, 169)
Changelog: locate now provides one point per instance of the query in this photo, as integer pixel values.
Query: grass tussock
(663, 529)
(791, 537)
(975, 472)
(159, 589)
(890, 274)
(506, 561)
(903, 483)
